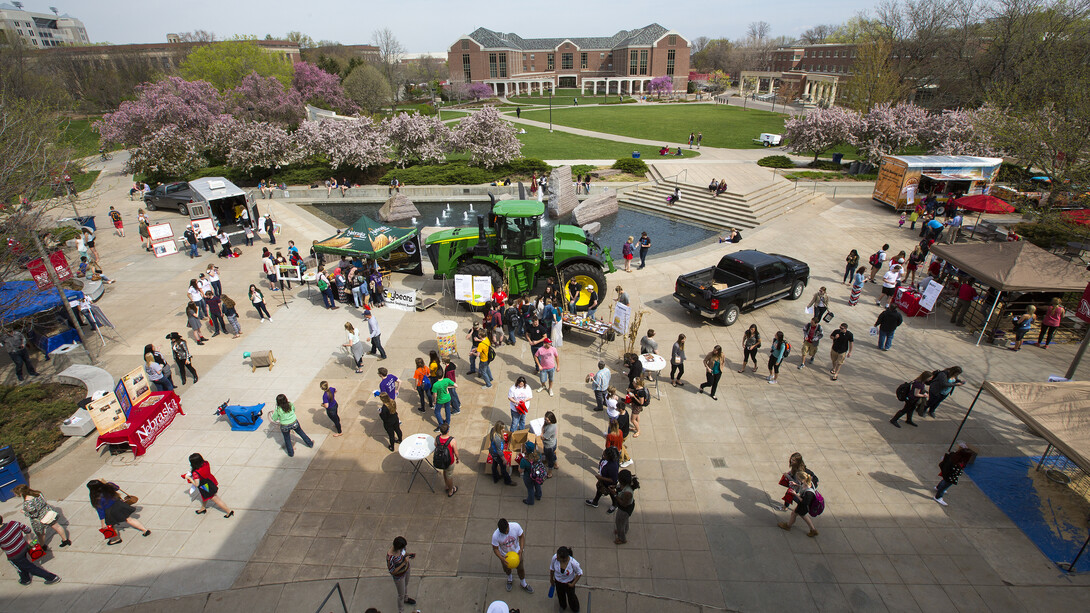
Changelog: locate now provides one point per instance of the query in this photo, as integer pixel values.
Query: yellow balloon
(512, 558)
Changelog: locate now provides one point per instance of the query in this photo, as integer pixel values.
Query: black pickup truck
(742, 281)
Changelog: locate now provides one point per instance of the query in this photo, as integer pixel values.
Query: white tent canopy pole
(989, 320)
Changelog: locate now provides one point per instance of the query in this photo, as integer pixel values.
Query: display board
(931, 295)
(136, 385)
(164, 248)
(287, 272)
(622, 314)
(160, 231)
(474, 290)
(107, 413)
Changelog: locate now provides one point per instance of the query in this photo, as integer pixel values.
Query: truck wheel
(480, 269)
(149, 205)
(730, 316)
(183, 209)
(796, 291)
(587, 276)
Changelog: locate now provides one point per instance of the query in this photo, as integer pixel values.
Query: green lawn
(31, 415)
(541, 144)
(723, 126)
(566, 97)
(78, 134)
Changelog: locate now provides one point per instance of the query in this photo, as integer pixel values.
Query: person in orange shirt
(421, 375)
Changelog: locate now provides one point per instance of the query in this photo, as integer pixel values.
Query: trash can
(837, 157)
(11, 474)
(446, 335)
(853, 168)
(635, 155)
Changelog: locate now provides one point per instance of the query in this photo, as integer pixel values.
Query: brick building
(623, 63)
(810, 73)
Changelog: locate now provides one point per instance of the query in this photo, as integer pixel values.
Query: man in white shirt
(601, 384)
(376, 334)
(889, 285)
(509, 537)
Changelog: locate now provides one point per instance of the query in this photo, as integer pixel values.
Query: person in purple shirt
(389, 384)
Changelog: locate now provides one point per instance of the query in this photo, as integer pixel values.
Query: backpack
(323, 285)
(903, 391)
(442, 457)
(538, 472)
(786, 349)
(491, 354)
(818, 505)
(876, 259)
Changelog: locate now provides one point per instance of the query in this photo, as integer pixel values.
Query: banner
(1084, 305)
(106, 413)
(622, 314)
(60, 264)
(40, 273)
(404, 300)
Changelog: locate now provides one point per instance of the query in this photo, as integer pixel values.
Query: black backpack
(903, 390)
(442, 457)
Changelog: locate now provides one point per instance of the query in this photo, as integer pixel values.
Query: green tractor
(507, 246)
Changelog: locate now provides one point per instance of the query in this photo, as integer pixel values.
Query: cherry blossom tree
(887, 129)
(170, 150)
(956, 133)
(478, 91)
(321, 88)
(417, 137)
(661, 85)
(457, 91)
(356, 142)
(488, 139)
(189, 106)
(266, 99)
(821, 129)
(246, 145)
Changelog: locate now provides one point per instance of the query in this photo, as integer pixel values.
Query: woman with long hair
(857, 285)
(1049, 322)
(231, 314)
(111, 509)
(751, 342)
(36, 510)
(776, 356)
(390, 421)
(193, 322)
(677, 361)
(213, 275)
(1022, 324)
(258, 300)
(851, 262)
(519, 394)
(197, 297)
(714, 364)
(354, 344)
(154, 371)
(549, 442)
(564, 573)
(421, 375)
(641, 399)
(182, 358)
(628, 252)
(284, 414)
(497, 440)
(207, 486)
(806, 496)
(917, 394)
(627, 484)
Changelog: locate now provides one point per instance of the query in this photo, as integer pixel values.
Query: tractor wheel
(480, 269)
(587, 276)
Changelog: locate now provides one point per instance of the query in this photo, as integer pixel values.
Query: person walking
(942, 385)
(857, 286)
(890, 281)
(1049, 322)
(112, 509)
(40, 514)
(641, 399)
(193, 322)
(950, 468)
(606, 479)
(486, 355)
(887, 323)
(627, 251)
(714, 364)
(258, 300)
(600, 383)
(329, 403)
(876, 261)
(806, 497)
(391, 423)
(215, 313)
(270, 229)
(699, 137)
(775, 356)
(811, 336)
(475, 336)
(397, 563)
(115, 217)
(13, 542)
(645, 246)
(497, 439)
(548, 362)
(1022, 324)
(450, 371)
(354, 344)
(207, 486)
(820, 303)
(917, 395)
(519, 397)
(677, 361)
(564, 573)
(442, 388)
(142, 229)
(626, 487)
(843, 341)
(446, 456)
(14, 343)
(533, 473)
(423, 384)
(549, 443)
(284, 414)
(231, 314)
(751, 342)
(509, 538)
(182, 358)
(851, 263)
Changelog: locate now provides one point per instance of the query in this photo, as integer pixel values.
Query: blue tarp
(19, 299)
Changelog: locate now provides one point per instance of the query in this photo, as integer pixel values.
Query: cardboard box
(515, 442)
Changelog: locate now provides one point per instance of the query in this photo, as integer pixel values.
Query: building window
(531, 56)
(633, 58)
(566, 60)
(601, 56)
(670, 62)
(551, 62)
(643, 61)
(503, 65)
(465, 66)
(492, 65)
(583, 61)
(671, 40)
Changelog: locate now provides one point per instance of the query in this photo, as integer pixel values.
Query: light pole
(550, 107)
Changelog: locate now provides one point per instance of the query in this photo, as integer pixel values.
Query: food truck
(216, 198)
(903, 180)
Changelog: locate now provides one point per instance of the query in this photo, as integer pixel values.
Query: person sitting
(664, 150)
(137, 188)
(91, 271)
(714, 185)
(678, 150)
(675, 197)
(722, 187)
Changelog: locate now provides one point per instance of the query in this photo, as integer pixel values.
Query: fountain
(465, 215)
(438, 222)
(446, 212)
(414, 221)
(471, 207)
(448, 206)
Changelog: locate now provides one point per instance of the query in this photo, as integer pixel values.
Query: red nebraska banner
(1084, 305)
(41, 274)
(60, 264)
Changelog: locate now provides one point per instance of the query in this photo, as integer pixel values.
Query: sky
(433, 25)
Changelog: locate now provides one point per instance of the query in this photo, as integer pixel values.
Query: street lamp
(550, 107)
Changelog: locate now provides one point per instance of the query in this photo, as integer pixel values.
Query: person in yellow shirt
(485, 355)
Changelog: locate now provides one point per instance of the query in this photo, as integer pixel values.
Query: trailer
(902, 179)
(218, 199)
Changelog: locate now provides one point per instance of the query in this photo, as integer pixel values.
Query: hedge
(632, 166)
(825, 165)
(459, 172)
(776, 161)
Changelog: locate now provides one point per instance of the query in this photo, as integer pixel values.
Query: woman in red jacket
(206, 484)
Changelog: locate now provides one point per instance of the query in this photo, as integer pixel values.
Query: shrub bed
(459, 172)
(825, 165)
(776, 161)
(631, 166)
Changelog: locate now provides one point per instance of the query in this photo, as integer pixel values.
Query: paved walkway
(704, 529)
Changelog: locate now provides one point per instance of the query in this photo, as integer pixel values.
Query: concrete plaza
(704, 534)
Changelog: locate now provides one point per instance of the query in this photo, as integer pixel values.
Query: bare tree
(197, 36)
(818, 34)
(390, 52)
(758, 31)
(697, 44)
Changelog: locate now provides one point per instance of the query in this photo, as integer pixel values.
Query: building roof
(646, 35)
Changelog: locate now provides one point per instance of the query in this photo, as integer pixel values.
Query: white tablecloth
(417, 447)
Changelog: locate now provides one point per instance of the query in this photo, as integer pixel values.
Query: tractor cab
(516, 226)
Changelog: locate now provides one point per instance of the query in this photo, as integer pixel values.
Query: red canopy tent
(983, 203)
(1081, 217)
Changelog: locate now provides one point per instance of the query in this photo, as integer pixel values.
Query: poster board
(931, 295)
(106, 413)
(136, 385)
(205, 226)
(463, 287)
(123, 397)
(287, 272)
(622, 315)
(482, 290)
(160, 231)
(164, 248)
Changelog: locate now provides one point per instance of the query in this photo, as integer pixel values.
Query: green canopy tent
(395, 249)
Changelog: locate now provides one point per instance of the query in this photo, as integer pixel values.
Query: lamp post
(550, 107)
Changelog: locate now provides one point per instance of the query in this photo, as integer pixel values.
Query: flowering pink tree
(260, 98)
(169, 150)
(661, 85)
(889, 129)
(488, 139)
(417, 137)
(252, 144)
(321, 88)
(190, 106)
(478, 91)
(358, 142)
(956, 133)
(821, 129)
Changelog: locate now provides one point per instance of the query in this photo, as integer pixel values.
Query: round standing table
(654, 363)
(309, 277)
(417, 448)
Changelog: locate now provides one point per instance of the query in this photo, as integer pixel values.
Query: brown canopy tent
(1016, 266)
(1058, 412)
